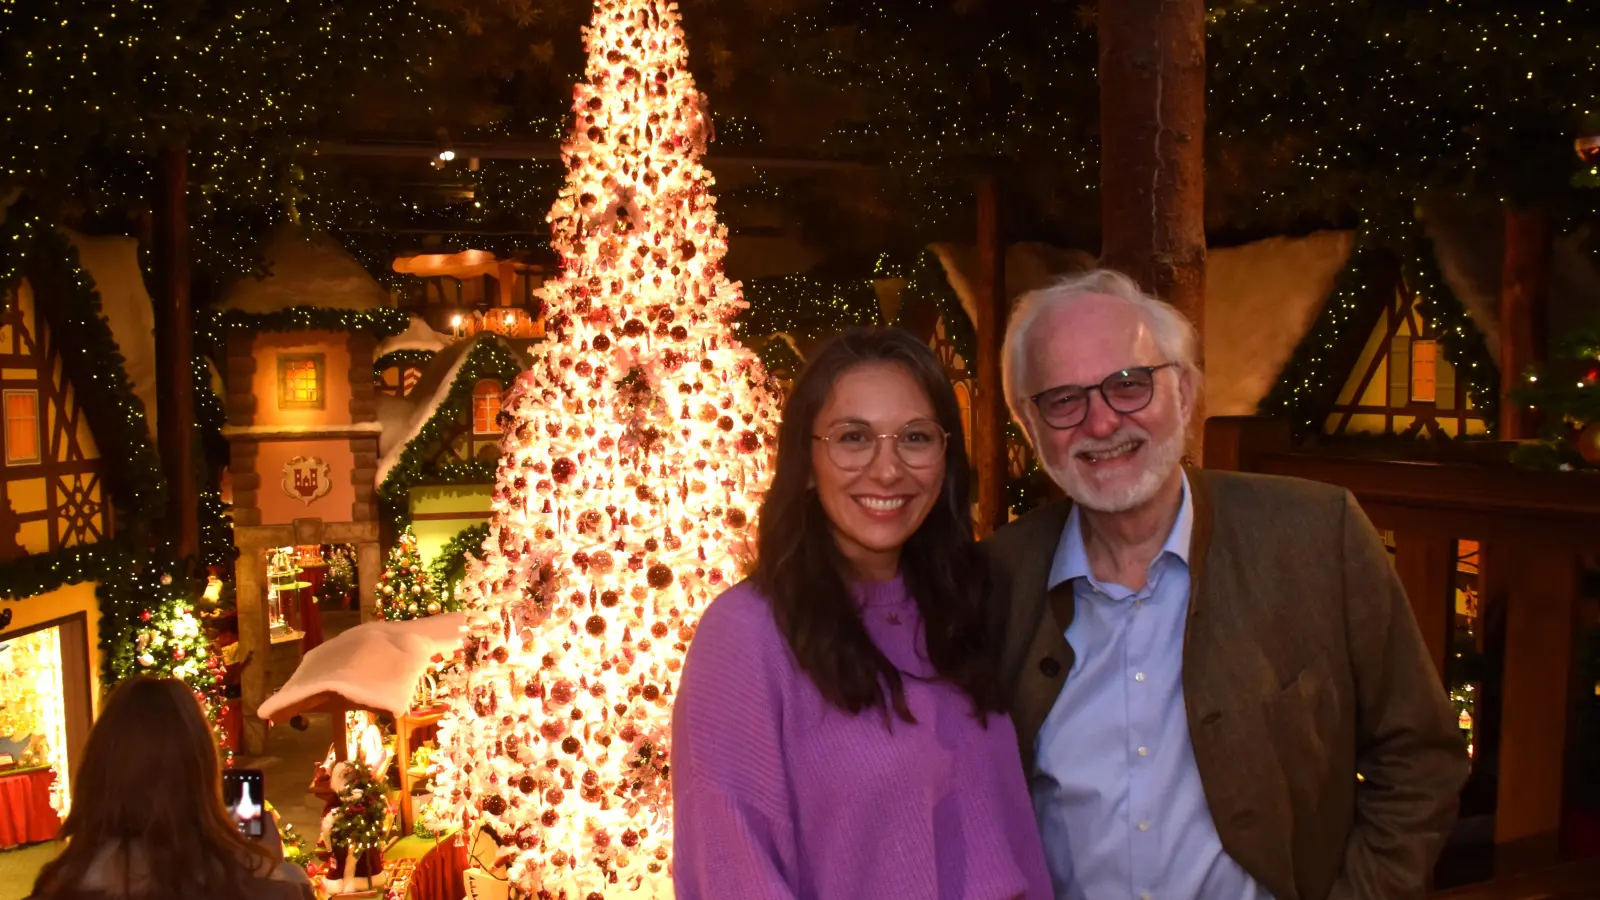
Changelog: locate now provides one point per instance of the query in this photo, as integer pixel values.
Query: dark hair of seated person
(147, 809)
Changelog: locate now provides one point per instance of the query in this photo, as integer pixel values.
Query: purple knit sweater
(779, 795)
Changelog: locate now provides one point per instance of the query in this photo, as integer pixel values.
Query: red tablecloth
(440, 874)
(310, 616)
(25, 813)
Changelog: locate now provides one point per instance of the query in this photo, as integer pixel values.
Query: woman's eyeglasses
(852, 445)
(1128, 391)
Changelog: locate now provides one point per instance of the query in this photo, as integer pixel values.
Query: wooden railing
(1533, 529)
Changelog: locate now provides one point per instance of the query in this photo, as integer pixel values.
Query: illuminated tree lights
(634, 454)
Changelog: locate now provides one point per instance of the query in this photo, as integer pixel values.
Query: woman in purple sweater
(839, 731)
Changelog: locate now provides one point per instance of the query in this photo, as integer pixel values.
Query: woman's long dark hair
(801, 570)
(150, 784)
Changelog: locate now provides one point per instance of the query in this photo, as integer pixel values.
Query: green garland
(488, 358)
(94, 364)
(450, 566)
(380, 323)
(400, 358)
(1309, 384)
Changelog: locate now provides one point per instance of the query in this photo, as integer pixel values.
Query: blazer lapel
(1038, 635)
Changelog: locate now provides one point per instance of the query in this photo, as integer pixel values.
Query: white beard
(1164, 457)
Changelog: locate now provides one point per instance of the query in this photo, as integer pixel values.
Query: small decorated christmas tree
(405, 591)
(633, 460)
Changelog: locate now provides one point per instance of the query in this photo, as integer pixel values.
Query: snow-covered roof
(426, 398)
(1469, 241)
(417, 336)
(375, 665)
(113, 262)
(305, 268)
(1261, 300)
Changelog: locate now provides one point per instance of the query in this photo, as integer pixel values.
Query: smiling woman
(838, 731)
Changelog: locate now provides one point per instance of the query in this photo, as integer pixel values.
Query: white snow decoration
(113, 262)
(305, 269)
(417, 336)
(429, 400)
(376, 665)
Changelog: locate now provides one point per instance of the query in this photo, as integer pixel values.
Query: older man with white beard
(1220, 690)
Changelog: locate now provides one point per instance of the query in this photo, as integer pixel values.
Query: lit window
(22, 427)
(1424, 371)
(300, 381)
(485, 407)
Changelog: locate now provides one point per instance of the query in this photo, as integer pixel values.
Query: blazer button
(1049, 667)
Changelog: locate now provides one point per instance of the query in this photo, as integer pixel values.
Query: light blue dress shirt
(1116, 789)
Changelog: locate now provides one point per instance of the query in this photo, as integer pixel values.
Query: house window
(300, 380)
(1424, 371)
(485, 407)
(22, 427)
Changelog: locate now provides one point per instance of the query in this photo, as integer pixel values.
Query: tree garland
(489, 358)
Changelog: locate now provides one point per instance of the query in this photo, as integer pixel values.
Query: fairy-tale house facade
(302, 427)
(57, 490)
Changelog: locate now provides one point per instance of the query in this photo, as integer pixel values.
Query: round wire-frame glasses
(853, 446)
(1126, 392)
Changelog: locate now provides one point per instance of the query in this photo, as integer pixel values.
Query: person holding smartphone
(840, 728)
(148, 819)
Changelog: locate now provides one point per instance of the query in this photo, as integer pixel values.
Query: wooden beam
(175, 399)
(550, 151)
(1536, 702)
(989, 412)
(1426, 562)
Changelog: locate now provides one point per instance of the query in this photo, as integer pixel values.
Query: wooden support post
(1152, 78)
(175, 403)
(1426, 562)
(250, 589)
(1540, 647)
(1524, 311)
(990, 416)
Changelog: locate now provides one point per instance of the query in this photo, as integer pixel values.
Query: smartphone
(243, 792)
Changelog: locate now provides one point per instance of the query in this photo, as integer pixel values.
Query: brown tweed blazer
(1302, 665)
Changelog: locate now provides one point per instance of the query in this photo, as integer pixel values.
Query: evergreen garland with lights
(31, 247)
(1310, 382)
(380, 323)
(400, 358)
(488, 359)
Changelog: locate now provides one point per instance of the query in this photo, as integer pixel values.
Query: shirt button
(1144, 751)
(1138, 676)
(1144, 826)
(1049, 667)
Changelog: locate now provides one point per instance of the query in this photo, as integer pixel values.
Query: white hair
(1171, 330)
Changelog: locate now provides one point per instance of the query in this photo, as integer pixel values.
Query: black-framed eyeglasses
(852, 445)
(1127, 391)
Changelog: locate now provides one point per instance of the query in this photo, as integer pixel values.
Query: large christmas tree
(634, 454)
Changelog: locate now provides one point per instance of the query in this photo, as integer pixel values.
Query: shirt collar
(1072, 559)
